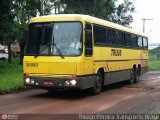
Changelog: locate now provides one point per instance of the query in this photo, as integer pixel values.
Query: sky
(149, 9)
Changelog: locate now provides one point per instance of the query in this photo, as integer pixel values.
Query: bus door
(88, 49)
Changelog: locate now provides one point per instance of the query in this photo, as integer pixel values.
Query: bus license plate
(48, 83)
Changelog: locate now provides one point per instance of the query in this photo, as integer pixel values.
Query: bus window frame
(127, 46)
(49, 53)
(140, 48)
(118, 45)
(105, 43)
(134, 47)
(123, 38)
(143, 43)
(91, 38)
(108, 44)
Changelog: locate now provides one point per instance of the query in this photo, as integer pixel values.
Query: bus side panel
(117, 76)
(118, 67)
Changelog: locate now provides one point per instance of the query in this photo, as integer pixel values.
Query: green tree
(105, 9)
(23, 10)
(58, 6)
(158, 55)
(99, 8)
(7, 25)
(123, 13)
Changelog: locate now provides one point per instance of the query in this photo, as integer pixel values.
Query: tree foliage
(24, 10)
(123, 13)
(8, 27)
(99, 8)
(6, 22)
(105, 9)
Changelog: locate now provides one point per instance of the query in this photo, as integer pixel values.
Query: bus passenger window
(99, 35)
(88, 42)
(111, 39)
(145, 43)
(120, 40)
(140, 43)
(128, 40)
(134, 41)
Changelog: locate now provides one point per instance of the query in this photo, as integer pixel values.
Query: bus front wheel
(97, 84)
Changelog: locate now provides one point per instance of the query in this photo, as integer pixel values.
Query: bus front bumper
(50, 82)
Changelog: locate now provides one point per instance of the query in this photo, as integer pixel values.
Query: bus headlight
(66, 83)
(73, 82)
(27, 80)
(32, 81)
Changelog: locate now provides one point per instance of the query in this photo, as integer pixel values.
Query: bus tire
(97, 84)
(131, 80)
(137, 75)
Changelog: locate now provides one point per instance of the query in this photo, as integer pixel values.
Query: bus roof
(87, 18)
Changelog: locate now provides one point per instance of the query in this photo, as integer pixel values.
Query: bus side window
(134, 41)
(88, 38)
(99, 35)
(111, 39)
(119, 37)
(145, 43)
(140, 42)
(127, 38)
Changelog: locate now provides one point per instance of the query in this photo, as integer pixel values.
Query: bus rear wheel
(131, 80)
(137, 75)
(97, 84)
(134, 76)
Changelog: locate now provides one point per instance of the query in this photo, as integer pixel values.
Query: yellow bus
(81, 52)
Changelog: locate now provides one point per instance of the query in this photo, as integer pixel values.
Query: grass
(11, 76)
(154, 65)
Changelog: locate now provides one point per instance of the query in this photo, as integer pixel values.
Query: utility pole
(144, 21)
(42, 8)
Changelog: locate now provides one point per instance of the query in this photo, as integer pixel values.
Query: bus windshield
(55, 39)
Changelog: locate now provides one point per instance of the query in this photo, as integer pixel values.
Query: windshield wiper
(59, 51)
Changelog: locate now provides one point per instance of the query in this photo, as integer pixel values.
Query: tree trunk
(9, 53)
(55, 10)
(59, 7)
(21, 45)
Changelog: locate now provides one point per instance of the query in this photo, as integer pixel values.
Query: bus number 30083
(32, 64)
